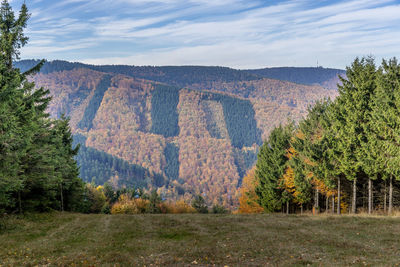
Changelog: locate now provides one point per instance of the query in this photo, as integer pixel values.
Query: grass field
(193, 239)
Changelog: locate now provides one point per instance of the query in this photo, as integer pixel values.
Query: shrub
(95, 199)
(218, 209)
(106, 208)
(142, 205)
(200, 204)
(126, 205)
(176, 208)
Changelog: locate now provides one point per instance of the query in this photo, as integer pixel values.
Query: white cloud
(234, 33)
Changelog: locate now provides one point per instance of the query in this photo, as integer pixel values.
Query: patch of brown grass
(196, 239)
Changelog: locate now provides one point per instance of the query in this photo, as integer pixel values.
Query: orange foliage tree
(248, 198)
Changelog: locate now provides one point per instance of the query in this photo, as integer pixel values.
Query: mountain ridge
(307, 75)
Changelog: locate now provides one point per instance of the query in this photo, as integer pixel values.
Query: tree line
(99, 167)
(345, 151)
(130, 200)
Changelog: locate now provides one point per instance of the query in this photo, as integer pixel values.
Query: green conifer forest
(345, 155)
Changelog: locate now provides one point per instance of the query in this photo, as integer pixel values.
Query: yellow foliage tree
(248, 197)
(127, 205)
(288, 181)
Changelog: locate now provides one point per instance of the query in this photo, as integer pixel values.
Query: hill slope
(324, 77)
(183, 76)
(197, 134)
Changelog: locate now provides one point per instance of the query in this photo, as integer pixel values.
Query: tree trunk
(391, 194)
(19, 202)
(384, 198)
(301, 209)
(62, 197)
(317, 201)
(365, 193)
(287, 207)
(338, 198)
(354, 204)
(369, 196)
(327, 204)
(333, 204)
(372, 197)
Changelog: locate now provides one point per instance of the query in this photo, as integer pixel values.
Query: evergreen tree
(155, 201)
(13, 138)
(312, 144)
(350, 125)
(199, 204)
(271, 165)
(37, 168)
(67, 170)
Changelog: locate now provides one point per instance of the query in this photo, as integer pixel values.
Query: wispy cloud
(235, 33)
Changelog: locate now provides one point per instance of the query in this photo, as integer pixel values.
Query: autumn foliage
(248, 197)
(129, 205)
(139, 121)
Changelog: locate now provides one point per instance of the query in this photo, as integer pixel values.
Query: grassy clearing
(195, 239)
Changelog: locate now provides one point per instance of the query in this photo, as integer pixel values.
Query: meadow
(71, 239)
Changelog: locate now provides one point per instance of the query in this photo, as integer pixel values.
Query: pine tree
(67, 170)
(8, 154)
(199, 204)
(311, 144)
(155, 201)
(350, 122)
(271, 165)
(385, 125)
(37, 168)
(12, 94)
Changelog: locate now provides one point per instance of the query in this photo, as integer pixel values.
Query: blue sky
(233, 33)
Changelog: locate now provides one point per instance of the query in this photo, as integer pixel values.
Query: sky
(233, 33)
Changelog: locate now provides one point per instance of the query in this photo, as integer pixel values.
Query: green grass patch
(174, 234)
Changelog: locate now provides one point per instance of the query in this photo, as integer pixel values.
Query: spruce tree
(12, 94)
(271, 165)
(37, 167)
(350, 122)
(384, 150)
(311, 145)
(67, 171)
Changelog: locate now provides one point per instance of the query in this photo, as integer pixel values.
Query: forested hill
(180, 76)
(182, 130)
(187, 76)
(325, 77)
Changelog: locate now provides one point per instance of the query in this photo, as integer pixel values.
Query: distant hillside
(184, 76)
(181, 130)
(325, 77)
(180, 76)
(99, 167)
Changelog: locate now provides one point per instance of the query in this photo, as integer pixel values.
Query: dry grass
(194, 239)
